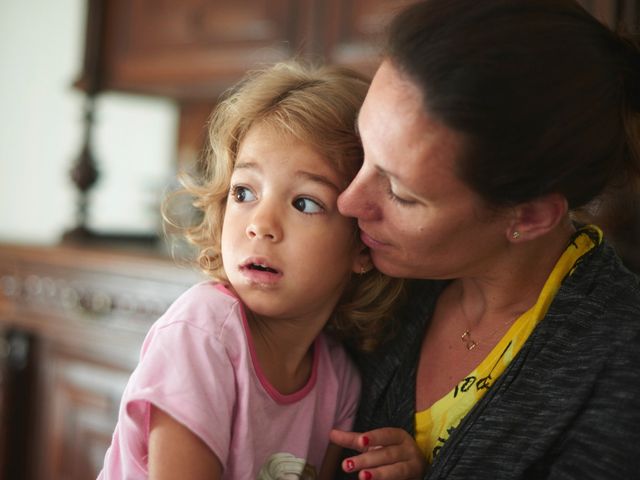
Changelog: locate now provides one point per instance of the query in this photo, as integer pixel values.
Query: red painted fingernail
(365, 441)
(367, 475)
(349, 465)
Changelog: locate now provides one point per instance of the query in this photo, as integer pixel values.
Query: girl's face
(286, 250)
(419, 219)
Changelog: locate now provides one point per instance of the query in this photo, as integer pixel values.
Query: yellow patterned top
(435, 424)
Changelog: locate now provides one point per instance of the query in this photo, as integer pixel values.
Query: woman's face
(419, 219)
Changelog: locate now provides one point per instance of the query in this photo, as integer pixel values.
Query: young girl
(238, 379)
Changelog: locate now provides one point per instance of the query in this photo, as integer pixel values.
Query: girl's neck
(284, 350)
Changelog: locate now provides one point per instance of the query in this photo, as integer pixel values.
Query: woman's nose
(359, 200)
(265, 224)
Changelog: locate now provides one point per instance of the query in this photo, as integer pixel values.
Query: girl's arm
(176, 452)
(330, 462)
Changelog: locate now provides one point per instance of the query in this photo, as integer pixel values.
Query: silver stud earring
(515, 235)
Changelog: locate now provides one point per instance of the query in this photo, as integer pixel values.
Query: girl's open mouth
(261, 268)
(260, 271)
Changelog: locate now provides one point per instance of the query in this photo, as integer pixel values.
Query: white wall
(41, 51)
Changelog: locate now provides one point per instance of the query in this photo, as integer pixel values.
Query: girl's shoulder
(207, 306)
(337, 358)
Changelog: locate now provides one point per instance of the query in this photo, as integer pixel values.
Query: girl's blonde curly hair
(318, 106)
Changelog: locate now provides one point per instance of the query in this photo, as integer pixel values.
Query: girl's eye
(306, 205)
(242, 194)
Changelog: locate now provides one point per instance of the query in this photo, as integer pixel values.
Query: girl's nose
(265, 224)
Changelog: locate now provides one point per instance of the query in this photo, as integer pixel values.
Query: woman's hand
(388, 454)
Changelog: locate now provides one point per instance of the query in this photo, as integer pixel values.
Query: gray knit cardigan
(568, 405)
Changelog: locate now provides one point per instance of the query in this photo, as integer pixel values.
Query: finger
(377, 457)
(391, 472)
(380, 457)
(384, 437)
(350, 440)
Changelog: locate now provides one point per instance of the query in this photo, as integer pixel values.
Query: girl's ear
(362, 262)
(537, 217)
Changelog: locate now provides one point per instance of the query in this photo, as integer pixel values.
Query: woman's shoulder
(603, 278)
(600, 300)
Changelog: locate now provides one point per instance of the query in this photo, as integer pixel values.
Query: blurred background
(41, 56)
(104, 101)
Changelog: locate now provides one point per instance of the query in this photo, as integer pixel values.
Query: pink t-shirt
(198, 364)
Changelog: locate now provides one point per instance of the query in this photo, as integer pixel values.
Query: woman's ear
(362, 262)
(537, 217)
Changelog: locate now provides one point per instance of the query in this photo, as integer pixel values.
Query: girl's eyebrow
(246, 165)
(313, 177)
(321, 179)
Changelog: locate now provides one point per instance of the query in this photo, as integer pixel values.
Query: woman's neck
(513, 286)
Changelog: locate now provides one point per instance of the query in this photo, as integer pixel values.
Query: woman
(487, 127)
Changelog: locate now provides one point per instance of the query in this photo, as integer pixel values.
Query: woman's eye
(306, 205)
(398, 199)
(242, 194)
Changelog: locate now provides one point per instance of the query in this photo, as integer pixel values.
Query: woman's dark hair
(547, 96)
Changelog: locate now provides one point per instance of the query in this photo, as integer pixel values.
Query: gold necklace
(470, 343)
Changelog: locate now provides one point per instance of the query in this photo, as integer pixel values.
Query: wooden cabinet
(72, 322)
(80, 414)
(193, 50)
(196, 48)
(352, 31)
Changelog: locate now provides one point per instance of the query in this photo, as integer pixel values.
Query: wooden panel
(87, 311)
(100, 302)
(18, 377)
(81, 414)
(194, 48)
(354, 31)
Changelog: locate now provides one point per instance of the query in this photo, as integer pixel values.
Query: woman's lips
(370, 241)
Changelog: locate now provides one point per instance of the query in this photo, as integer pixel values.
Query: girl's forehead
(271, 135)
(264, 148)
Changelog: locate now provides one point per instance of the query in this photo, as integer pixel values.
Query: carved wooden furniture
(72, 322)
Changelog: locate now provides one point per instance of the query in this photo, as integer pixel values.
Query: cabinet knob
(70, 298)
(100, 303)
(10, 286)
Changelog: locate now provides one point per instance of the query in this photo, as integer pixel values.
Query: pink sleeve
(188, 374)
(349, 380)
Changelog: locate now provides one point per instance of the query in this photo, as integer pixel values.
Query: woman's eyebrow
(387, 173)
